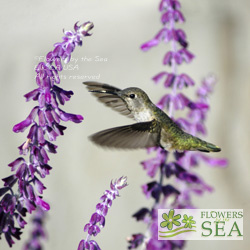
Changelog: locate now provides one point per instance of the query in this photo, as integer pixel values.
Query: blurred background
(219, 35)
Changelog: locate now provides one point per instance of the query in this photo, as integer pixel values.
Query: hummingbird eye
(132, 96)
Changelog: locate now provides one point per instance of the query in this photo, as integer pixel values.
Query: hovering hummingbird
(153, 128)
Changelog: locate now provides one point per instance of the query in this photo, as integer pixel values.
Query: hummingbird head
(135, 98)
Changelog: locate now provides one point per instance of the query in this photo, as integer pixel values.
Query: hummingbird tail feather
(208, 147)
(194, 143)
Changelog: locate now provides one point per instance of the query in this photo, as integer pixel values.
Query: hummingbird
(153, 128)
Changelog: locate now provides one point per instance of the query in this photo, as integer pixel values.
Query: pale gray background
(218, 32)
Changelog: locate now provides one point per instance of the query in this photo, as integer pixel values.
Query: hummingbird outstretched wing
(107, 94)
(138, 135)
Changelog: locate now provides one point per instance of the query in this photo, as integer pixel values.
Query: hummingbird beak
(103, 92)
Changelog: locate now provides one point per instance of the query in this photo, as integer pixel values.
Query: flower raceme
(98, 217)
(45, 125)
(178, 166)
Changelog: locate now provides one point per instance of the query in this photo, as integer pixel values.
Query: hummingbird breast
(143, 116)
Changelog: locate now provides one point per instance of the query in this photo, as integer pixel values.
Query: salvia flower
(97, 220)
(44, 123)
(135, 240)
(178, 166)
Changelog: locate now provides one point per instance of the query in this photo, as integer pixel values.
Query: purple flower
(152, 165)
(38, 233)
(44, 123)
(97, 220)
(135, 240)
(180, 81)
(178, 57)
(155, 190)
(180, 167)
(140, 215)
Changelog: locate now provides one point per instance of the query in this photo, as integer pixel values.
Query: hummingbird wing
(138, 135)
(107, 94)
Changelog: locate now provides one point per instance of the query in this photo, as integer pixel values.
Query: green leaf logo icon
(188, 221)
(170, 219)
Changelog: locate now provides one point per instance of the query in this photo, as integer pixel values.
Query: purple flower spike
(180, 167)
(44, 122)
(38, 232)
(98, 217)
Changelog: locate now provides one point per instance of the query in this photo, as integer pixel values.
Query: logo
(200, 224)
